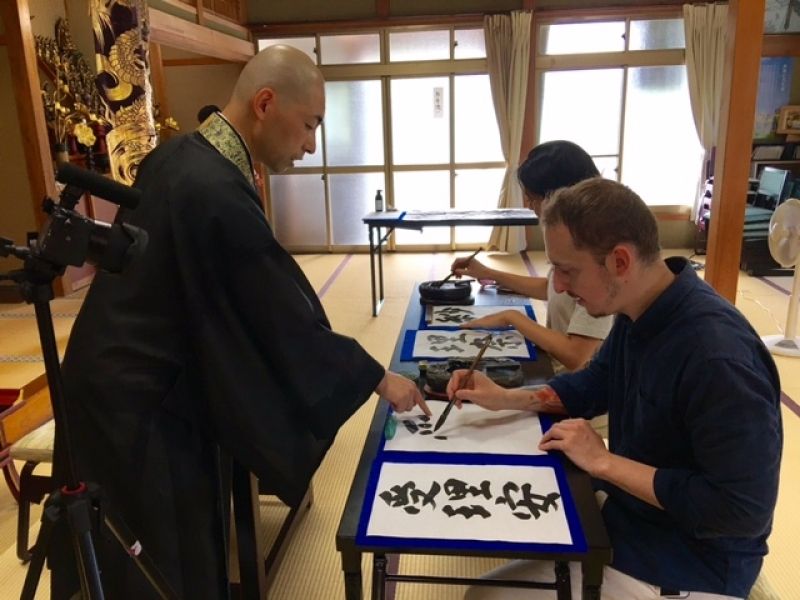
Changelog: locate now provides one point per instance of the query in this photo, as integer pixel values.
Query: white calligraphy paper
(504, 503)
(446, 343)
(453, 316)
(470, 429)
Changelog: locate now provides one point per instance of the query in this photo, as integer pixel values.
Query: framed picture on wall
(789, 120)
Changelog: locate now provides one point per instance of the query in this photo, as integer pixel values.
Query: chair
(26, 434)
(36, 447)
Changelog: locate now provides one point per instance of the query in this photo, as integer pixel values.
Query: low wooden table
(598, 549)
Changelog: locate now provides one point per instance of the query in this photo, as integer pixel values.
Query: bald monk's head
(277, 104)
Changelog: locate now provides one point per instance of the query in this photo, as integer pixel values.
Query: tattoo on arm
(543, 398)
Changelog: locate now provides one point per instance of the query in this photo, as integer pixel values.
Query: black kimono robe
(212, 338)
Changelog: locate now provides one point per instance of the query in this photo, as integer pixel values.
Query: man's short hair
(206, 112)
(553, 165)
(600, 214)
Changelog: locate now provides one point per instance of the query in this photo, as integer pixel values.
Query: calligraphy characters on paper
(468, 342)
(521, 500)
(454, 314)
(424, 427)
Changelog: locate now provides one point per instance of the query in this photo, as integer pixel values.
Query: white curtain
(706, 33)
(508, 42)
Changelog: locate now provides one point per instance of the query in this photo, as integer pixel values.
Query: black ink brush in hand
(486, 343)
(469, 258)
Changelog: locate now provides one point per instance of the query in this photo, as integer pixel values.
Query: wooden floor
(311, 567)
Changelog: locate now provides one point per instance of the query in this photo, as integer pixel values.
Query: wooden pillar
(30, 111)
(734, 147)
(159, 80)
(529, 123)
(28, 97)
(241, 15)
(382, 9)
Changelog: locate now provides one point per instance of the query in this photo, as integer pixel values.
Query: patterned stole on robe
(223, 136)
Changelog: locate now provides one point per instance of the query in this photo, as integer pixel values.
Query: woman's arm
(572, 351)
(533, 287)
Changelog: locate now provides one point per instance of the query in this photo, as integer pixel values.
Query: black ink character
(450, 348)
(452, 314)
(466, 511)
(508, 341)
(535, 503)
(408, 496)
(411, 426)
(440, 437)
(458, 490)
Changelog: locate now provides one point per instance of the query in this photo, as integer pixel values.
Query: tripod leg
(88, 569)
(78, 513)
(49, 517)
(139, 556)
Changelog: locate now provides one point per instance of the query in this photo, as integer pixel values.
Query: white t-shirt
(566, 316)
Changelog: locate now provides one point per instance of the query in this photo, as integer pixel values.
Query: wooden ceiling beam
(200, 61)
(172, 31)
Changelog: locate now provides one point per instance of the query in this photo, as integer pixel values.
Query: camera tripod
(79, 503)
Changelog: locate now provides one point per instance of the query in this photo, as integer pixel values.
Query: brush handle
(441, 281)
(440, 421)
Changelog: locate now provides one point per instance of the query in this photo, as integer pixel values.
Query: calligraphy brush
(449, 407)
(471, 256)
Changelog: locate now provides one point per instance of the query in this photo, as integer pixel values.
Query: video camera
(69, 238)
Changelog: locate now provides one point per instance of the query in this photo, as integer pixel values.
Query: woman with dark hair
(571, 336)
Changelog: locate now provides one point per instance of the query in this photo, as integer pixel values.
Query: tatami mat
(311, 568)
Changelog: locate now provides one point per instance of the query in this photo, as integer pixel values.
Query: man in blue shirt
(691, 472)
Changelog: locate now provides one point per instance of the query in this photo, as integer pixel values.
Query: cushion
(36, 446)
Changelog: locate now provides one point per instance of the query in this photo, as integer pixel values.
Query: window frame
(385, 72)
(625, 60)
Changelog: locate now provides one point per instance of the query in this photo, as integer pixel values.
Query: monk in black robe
(212, 339)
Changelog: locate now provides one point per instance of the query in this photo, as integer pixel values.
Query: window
(618, 88)
(582, 38)
(417, 123)
(349, 49)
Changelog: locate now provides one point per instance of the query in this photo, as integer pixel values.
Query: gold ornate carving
(121, 45)
(128, 144)
(71, 102)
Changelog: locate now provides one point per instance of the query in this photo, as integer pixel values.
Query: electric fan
(784, 245)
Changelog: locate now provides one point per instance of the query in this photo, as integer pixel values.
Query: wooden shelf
(793, 166)
(779, 161)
